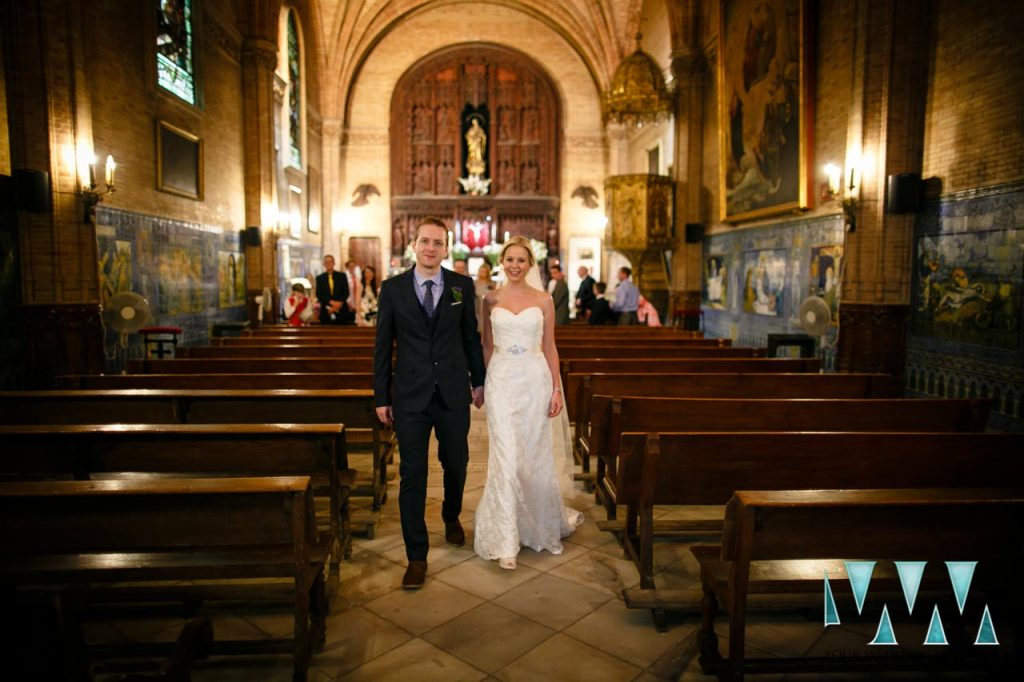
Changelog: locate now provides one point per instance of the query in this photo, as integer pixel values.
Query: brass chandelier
(637, 94)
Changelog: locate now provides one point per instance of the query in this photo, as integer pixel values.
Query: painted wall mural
(764, 281)
(231, 278)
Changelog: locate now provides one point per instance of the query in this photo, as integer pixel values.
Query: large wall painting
(115, 263)
(968, 287)
(765, 107)
(826, 264)
(764, 281)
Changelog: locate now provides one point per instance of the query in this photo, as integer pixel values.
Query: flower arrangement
(491, 253)
(540, 249)
(460, 252)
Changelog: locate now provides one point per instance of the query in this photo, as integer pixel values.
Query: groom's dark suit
(439, 358)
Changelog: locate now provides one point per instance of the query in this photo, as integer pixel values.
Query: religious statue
(476, 143)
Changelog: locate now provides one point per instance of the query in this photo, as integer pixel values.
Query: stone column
(886, 136)
(688, 70)
(259, 60)
(50, 121)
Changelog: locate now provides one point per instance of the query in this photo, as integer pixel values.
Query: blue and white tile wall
(192, 275)
(768, 272)
(965, 333)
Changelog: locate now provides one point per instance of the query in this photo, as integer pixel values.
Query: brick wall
(974, 135)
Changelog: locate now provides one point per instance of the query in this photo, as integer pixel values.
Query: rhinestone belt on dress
(516, 349)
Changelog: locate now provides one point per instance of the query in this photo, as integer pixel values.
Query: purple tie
(428, 298)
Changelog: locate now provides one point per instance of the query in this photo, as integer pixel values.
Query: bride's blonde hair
(518, 241)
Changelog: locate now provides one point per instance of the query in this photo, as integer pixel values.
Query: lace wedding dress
(522, 501)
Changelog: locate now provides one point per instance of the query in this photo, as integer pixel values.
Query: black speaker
(251, 236)
(31, 190)
(694, 233)
(903, 193)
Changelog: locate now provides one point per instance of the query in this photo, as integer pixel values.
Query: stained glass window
(174, 60)
(294, 94)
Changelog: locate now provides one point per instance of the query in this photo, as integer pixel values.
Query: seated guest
(600, 310)
(298, 308)
(646, 313)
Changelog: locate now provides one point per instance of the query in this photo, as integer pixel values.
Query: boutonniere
(456, 295)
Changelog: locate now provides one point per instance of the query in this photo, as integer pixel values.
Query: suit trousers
(451, 427)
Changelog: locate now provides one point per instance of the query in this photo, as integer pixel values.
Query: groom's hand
(478, 397)
(385, 415)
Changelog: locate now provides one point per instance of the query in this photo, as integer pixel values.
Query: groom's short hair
(429, 220)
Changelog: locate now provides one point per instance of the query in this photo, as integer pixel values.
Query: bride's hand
(556, 404)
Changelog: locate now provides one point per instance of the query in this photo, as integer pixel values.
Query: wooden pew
(86, 451)
(302, 381)
(785, 541)
(90, 533)
(705, 468)
(352, 407)
(289, 351)
(362, 364)
(725, 360)
(614, 415)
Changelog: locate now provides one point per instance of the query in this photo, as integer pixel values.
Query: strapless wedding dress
(522, 502)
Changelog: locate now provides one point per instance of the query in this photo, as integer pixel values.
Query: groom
(429, 312)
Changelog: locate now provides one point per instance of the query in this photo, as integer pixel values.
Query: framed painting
(179, 161)
(765, 105)
(764, 282)
(716, 282)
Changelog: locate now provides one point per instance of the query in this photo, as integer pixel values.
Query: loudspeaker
(694, 233)
(251, 236)
(31, 190)
(903, 193)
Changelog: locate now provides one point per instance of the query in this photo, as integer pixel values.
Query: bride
(522, 502)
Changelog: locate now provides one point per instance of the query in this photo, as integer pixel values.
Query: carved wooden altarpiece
(518, 105)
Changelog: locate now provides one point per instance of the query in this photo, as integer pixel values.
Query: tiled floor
(554, 618)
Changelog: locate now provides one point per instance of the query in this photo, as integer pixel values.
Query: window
(294, 94)
(175, 65)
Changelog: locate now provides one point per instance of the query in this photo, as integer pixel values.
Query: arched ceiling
(599, 31)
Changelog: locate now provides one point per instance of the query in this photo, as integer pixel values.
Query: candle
(833, 173)
(506, 235)
(92, 173)
(450, 242)
(110, 168)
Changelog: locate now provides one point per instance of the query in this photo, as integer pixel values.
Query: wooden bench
(362, 364)
(277, 351)
(132, 451)
(782, 542)
(84, 534)
(351, 407)
(705, 468)
(721, 360)
(613, 415)
(304, 381)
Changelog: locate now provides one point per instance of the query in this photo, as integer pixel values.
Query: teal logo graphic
(961, 574)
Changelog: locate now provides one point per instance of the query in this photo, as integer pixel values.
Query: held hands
(556, 403)
(386, 416)
(478, 397)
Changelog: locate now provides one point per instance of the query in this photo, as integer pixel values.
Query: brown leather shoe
(415, 575)
(453, 534)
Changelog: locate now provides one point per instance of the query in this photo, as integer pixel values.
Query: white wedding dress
(522, 501)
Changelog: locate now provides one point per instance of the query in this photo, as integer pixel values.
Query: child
(600, 310)
(298, 308)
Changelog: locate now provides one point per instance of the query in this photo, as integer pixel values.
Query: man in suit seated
(600, 310)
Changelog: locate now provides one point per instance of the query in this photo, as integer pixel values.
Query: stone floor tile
(439, 557)
(600, 572)
(552, 601)
(415, 660)
(485, 578)
(488, 637)
(420, 610)
(566, 659)
(369, 576)
(355, 637)
(627, 633)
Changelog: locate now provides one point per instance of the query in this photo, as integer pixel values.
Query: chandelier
(637, 94)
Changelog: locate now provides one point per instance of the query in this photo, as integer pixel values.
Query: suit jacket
(585, 295)
(560, 296)
(444, 350)
(601, 312)
(323, 295)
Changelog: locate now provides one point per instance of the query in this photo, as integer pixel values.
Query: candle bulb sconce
(91, 194)
(846, 197)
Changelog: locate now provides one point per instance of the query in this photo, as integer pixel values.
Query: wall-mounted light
(833, 190)
(91, 194)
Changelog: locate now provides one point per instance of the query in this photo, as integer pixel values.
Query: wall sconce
(91, 195)
(833, 190)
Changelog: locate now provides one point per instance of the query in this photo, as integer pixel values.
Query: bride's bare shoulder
(491, 298)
